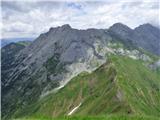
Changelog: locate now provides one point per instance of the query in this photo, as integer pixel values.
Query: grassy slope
(24, 43)
(140, 85)
(109, 117)
(121, 87)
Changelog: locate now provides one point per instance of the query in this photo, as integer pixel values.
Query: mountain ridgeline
(99, 71)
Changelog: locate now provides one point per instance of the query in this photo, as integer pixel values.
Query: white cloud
(29, 19)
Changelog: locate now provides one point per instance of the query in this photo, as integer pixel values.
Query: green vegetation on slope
(109, 117)
(24, 43)
(122, 86)
(140, 85)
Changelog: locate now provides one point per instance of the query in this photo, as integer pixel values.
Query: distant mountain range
(6, 41)
(68, 71)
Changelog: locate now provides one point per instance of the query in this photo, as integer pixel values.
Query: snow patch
(133, 57)
(74, 109)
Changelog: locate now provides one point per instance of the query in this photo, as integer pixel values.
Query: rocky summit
(30, 73)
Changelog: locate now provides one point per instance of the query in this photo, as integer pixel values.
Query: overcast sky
(29, 19)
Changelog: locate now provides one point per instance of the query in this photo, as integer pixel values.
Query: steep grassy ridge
(122, 86)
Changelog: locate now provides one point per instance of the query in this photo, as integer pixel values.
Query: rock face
(149, 38)
(8, 54)
(145, 36)
(57, 56)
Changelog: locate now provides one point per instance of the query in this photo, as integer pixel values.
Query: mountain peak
(118, 24)
(66, 26)
(146, 26)
(121, 30)
(119, 27)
